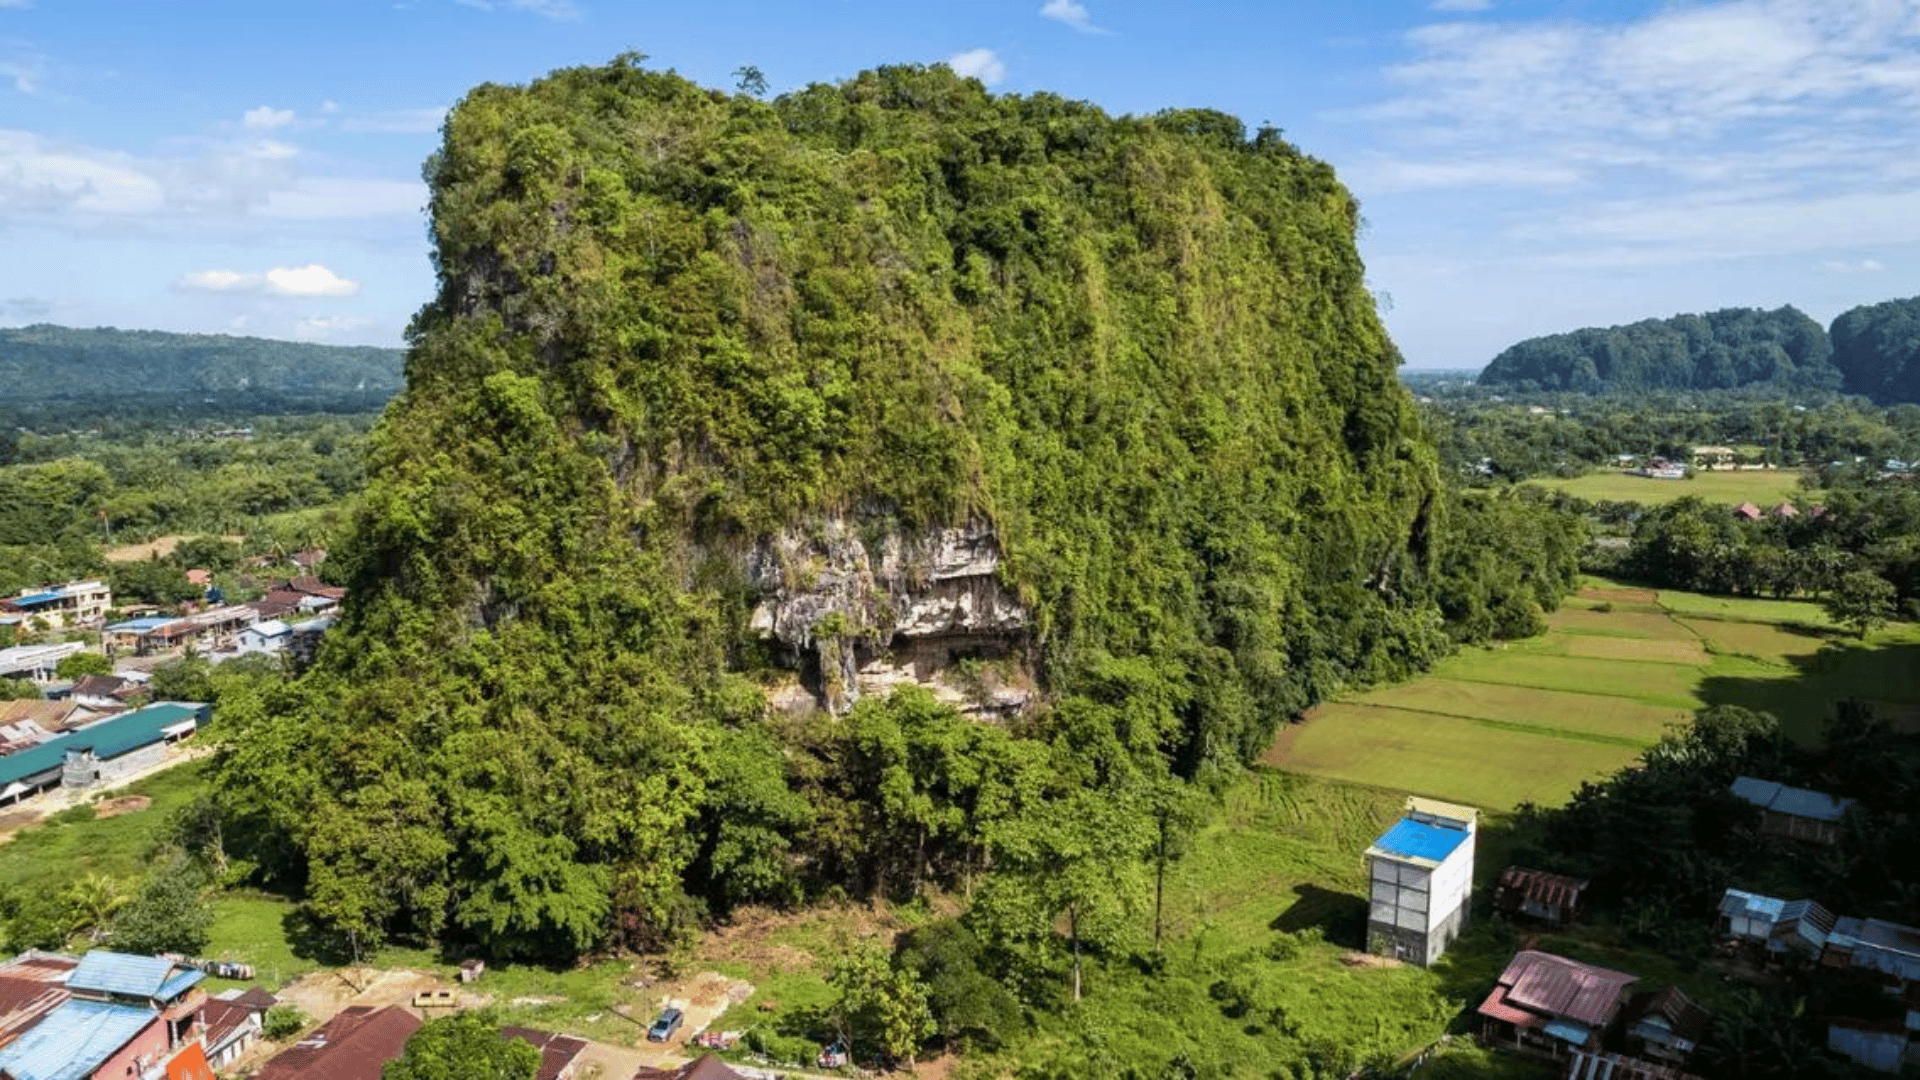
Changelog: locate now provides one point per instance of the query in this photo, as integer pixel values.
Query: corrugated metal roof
(135, 976)
(107, 739)
(1878, 945)
(1782, 799)
(1416, 840)
(1566, 989)
(1738, 904)
(36, 599)
(74, 1040)
(1568, 1031)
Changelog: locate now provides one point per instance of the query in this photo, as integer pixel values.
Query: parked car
(664, 1027)
(834, 1056)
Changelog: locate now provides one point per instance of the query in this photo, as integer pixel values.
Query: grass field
(1765, 487)
(1530, 720)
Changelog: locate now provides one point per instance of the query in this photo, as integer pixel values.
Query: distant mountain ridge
(44, 362)
(1719, 350)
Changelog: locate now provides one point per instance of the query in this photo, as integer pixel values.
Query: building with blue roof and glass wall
(1420, 873)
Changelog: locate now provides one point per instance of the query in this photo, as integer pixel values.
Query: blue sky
(1524, 166)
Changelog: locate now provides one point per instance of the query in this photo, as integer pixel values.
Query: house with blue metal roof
(75, 603)
(1795, 813)
(1777, 926)
(127, 1016)
(1421, 877)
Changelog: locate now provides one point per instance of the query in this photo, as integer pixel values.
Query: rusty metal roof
(1517, 883)
(1558, 987)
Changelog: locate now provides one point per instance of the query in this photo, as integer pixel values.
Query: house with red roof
(1550, 1005)
(355, 1045)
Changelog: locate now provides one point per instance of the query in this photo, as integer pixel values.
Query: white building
(77, 603)
(1421, 872)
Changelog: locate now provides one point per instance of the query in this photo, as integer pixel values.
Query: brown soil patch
(322, 994)
(125, 804)
(761, 937)
(1281, 748)
(161, 547)
(1368, 960)
(1631, 596)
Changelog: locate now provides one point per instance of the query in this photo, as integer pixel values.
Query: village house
(263, 637)
(559, 1054)
(1666, 1026)
(1551, 1006)
(124, 1016)
(105, 693)
(1774, 927)
(354, 1045)
(233, 1022)
(1535, 894)
(1421, 873)
(1714, 457)
(1795, 813)
(704, 1067)
(76, 603)
(36, 662)
(1747, 511)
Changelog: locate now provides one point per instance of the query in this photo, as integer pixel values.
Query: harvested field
(1590, 714)
(125, 804)
(158, 548)
(1689, 652)
(1462, 760)
(1619, 592)
(1623, 624)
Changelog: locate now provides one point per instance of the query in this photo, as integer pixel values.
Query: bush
(283, 1022)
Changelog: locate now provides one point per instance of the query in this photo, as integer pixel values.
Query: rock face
(873, 608)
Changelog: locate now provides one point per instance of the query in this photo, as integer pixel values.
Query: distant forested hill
(1716, 351)
(1876, 347)
(44, 363)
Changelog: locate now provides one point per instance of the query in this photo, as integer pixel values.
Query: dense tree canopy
(44, 362)
(1877, 349)
(672, 320)
(1718, 350)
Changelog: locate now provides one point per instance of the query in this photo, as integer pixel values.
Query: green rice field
(1529, 721)
(1764, 487)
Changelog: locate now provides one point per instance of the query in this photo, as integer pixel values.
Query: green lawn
(1665, 685)
(71, 845)
(1765, 487)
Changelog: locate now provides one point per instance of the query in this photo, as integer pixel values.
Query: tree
(94, 899)
(467, 1046)
(168, 915)
(1861, 600)
(882, 1002)
(82, 663)
(185, 679)
(749, 80)
(967, 1004)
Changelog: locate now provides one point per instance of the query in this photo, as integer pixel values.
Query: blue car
(664, 1027)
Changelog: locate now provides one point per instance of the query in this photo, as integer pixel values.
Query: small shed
(1794, 813)
(1535, 894)
(1777, 926)
(1666, 1026)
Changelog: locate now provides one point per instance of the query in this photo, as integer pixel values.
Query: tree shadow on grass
(1340, 917)
(1886, 676)
(310, 940)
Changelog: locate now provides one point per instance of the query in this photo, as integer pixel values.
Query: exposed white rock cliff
(876, 608)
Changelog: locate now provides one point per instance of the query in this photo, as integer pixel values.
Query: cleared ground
(1765, 487)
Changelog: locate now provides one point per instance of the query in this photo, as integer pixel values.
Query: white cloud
(309, 280)
(302, 281)
(326, 327)
(219, 281)
(398, 121)
(24, 73)
(329, 107)
(1842, 266)
(1714, 130)
(1461, 5)
(19, 4)
(37, 177)
(266, 118)
(558, 10)
(1073, 13)
(979, 64)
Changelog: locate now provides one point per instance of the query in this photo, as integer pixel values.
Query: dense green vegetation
(56, 368)
(1877, 349)
(1718, 350)
(281, 481)
(672, 321)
